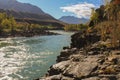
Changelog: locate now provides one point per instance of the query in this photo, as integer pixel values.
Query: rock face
(81, 39)
(89, 63)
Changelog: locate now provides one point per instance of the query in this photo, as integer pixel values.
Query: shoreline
(81, 62)
(28, 34)
(33, 49)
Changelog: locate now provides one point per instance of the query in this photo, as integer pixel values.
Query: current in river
(28, 58)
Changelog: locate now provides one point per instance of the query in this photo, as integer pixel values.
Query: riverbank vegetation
(106, 21)
(75, 27)
(103, 21)
(7, 23)
(10, 27)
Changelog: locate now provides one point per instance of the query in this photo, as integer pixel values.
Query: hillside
(19, 7)
(73, 20)
(27, 12)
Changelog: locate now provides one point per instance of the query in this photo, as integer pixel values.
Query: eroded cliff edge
(88, 58)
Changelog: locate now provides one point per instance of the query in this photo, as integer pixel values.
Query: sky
(59, 8)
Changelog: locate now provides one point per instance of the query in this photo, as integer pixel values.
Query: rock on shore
(93, 62)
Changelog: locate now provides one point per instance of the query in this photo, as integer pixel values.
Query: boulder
(67, 47)
(81, 69)
(54, 77)
(118, 76)
(65, 54)
(59, 67)
(67, 78)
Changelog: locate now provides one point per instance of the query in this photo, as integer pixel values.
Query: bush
(75, 27)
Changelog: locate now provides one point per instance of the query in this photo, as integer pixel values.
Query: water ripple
(29, 58)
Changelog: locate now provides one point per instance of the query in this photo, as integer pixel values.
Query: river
(23, 58)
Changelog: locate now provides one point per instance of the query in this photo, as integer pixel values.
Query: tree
(7, 22)
(12, 24)
(2, 17)
(94, 16)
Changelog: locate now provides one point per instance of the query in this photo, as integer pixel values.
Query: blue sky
(58, 8)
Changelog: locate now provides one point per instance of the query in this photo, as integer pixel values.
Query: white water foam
(10, 62)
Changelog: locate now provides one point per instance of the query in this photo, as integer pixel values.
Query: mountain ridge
(73, 20)
(20, 7)
(27, 12)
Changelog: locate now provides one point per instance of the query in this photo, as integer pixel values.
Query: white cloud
(81, 10)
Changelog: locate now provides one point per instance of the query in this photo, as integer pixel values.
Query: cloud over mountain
(81, 10)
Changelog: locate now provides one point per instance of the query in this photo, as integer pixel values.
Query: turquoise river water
(29, 58)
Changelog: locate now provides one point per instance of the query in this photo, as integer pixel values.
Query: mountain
(19, 7)
(27, 12)
(73, 20)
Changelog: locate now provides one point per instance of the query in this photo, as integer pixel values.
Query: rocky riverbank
(88, 58)
(26, 33)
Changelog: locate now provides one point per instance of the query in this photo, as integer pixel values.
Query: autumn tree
(7, 22)
(94, 16)
(112, 11)
(2, 17)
